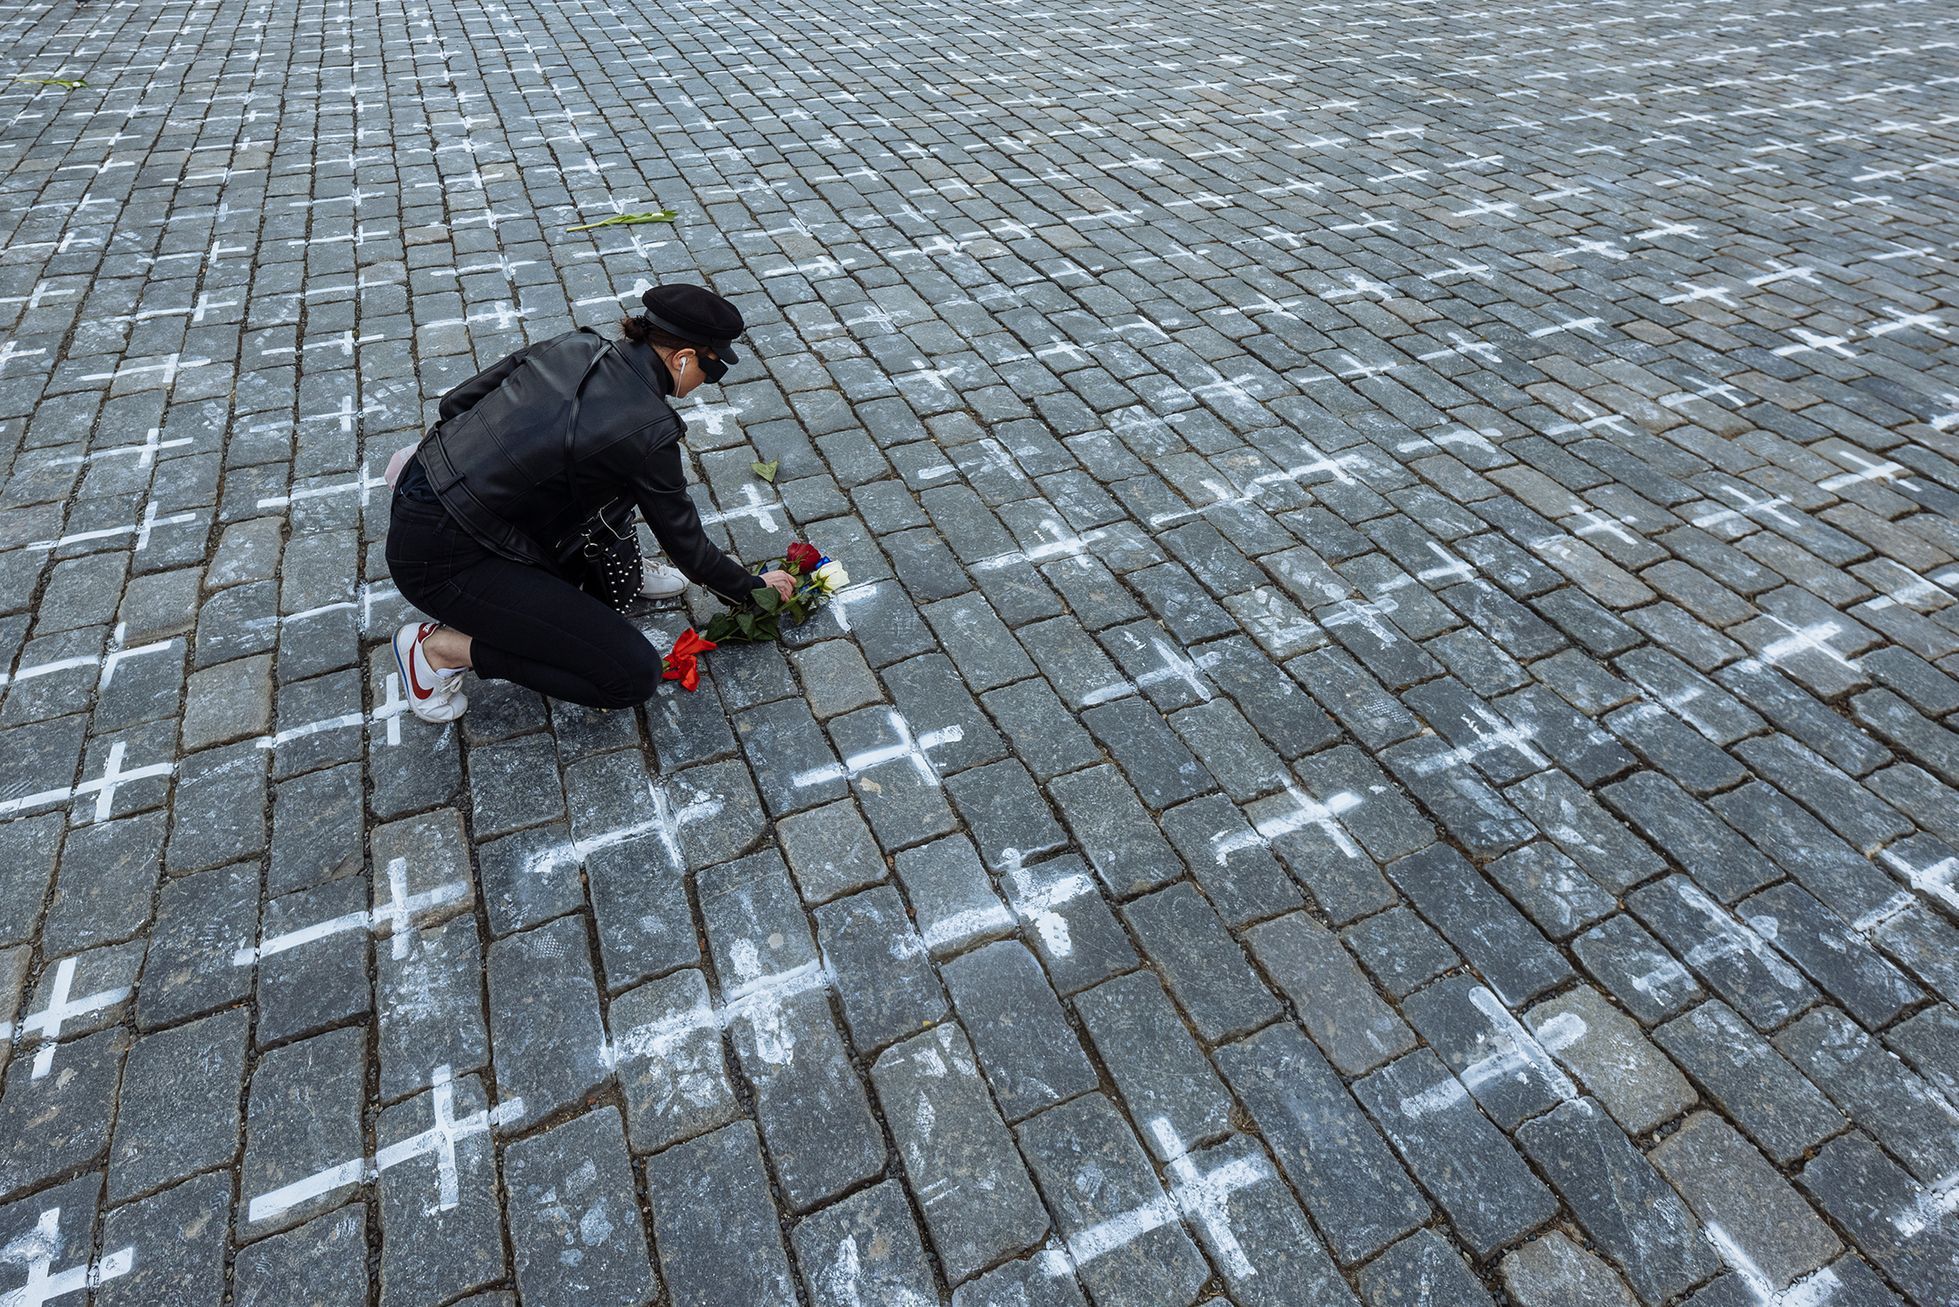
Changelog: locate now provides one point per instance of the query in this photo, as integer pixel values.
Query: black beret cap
(697, 315)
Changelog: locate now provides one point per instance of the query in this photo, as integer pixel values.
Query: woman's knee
(632, 677)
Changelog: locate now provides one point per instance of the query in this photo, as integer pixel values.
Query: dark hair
(641, 329)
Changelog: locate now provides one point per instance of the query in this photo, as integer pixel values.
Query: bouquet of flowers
(759, 617)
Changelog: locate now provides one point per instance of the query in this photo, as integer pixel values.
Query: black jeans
(527, 625)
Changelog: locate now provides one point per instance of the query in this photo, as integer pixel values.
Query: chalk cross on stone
(911, 747)
(37, 1252)
(399, 914)
(1306, 811)
(438, 1141)
(61, 1009)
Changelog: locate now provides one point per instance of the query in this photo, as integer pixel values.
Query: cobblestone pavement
(1395, 741)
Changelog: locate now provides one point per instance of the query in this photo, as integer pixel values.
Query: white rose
(831, 577)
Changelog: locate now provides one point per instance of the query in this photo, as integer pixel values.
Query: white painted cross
(145, 453)
(909, 747)
(361, 485)
(438, 1141)
(1816, 342)
(103, 787)
(142, 530)
(760, 1000)
(1205, 1199)
(1813, 1290)
(398, 913)
(1812, 638)
(1306, 811)
(37, 1252)
(12, 350)
(61, 1009)
(754, 505)
(170, 367)
(1864, 469)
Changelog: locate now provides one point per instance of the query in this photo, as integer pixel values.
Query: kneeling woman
(508, 522)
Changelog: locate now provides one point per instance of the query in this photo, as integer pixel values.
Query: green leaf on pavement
(766, 471)
(629, 220)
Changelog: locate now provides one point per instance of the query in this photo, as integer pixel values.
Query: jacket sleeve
(660, 490)
(464, 397)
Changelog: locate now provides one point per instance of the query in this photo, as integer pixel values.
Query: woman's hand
(783, 583)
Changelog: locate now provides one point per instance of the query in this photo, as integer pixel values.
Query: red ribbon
(682, 664)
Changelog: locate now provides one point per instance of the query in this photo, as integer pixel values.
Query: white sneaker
(659, 581)
(432, 696)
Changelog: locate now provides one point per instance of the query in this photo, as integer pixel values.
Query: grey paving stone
(1338, 1007)
(1229, 860)
(1912, 1119)
(715, 1225)
(1417, 1269)
(1629, 1212)
(895, 773)
(302, 1124)
(28, 846)
(1875, 1202)
(202, 921)
(1726, 952)
(180, 1233)
(574, 1221)
(1031, 1056)
(835, 677)
(307, 1265)
(1611, 1058)
(1044, 734)
(1552, 1271)
(666, 1050)
(1043, 1280)
(109, 875)
(219, 808)
(1114, 832)
(1155, 761)
(866, 1244)
(957, 1155)
(178, 1110)
(809, 1101)
(1159, 1071)
(1746, 1078)
(831, 851)
(1204, 967)
(59, 1122)
(1743, 1202)
(316, 829)
(1929, 1042)
(1092, 1171)
(1593, 839)
(883, 978)
(441, 1227)
(1554, 892)
(1507, 950)
(528, 878)
(1358, 1195)
(1006, 814)
(1399, 950)
(1491, 1196)
(951, 896)
(1840, 961)
(312, 961)
(1636, 969)
(546, 1039)
(1252, 1227)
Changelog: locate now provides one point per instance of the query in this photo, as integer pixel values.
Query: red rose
(803, 558)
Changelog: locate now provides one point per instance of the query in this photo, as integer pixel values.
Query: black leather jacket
(531, 447)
